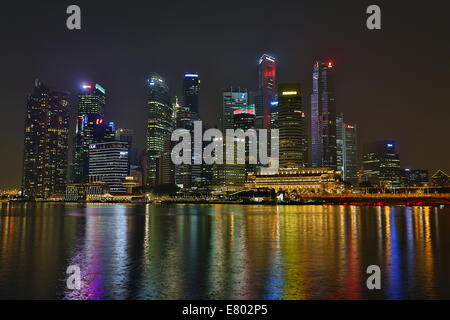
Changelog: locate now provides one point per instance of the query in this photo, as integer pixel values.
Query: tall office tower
(45, 143)
(350, 154)
(166, 169)
(203, 182)
(91, 100)
(381, 165)
(347, 153)
(340, 142)
(191, 91)
(159, 123)
(228, 177)
(274, 114)
(256, 98)
(108, 162)
(267, 89)
(232, 100)
(184, 120)
(176, 108)
(245, 119)
(127, 135)
(90, 128)
(323, 117)
(292, 126)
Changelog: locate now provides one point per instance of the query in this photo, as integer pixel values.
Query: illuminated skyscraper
(292, 126)
(159, 124)
(267, 90)
(232, 100)
(45, 143)
(381, 164)
(347, 150)
(127, 135)
(184, 120)
(245, 119)
(340, 142)
(166, 169)
(191, 91)
(91, 100)
(90, 127)
(323, 117)
(274, 114)
(350, 173)
(108, 162)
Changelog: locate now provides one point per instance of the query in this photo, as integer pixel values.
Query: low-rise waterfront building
(302, 180)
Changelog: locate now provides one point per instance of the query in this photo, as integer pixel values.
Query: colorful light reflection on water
(223, 251)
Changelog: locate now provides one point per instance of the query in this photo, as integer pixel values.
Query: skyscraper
(108, 162)
(323, 117)
(381, 164)
(256, 98)
(92, 100)
(191, 91)
(350, 154)
(166, 170)
(232, 100)
(267, 90)
(292, 126)
(90, 127)
(340, 142)
(159, 123)
(45, 143)
(347, 149)
(274, 114)
(245, 119)
(127, 135)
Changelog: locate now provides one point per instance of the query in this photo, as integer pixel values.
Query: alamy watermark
(74, 279)
(374, 280)
(73, 22)
(234, 140)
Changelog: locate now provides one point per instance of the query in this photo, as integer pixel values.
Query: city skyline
(219, 158)
(383, 107)
(168, 101)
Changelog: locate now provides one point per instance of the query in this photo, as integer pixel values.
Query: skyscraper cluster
(314, 136)
(100, 153)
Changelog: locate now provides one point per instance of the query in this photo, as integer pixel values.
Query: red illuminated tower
(267, 88)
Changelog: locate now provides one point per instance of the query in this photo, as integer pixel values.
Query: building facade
(340, 142)
(301, 181)
(232, 99)
(159, 124)
(381, 165)
(414, 177)
(350, 154)
(191, 91)
(293, 136)
(323, 117)
(267, 89)
(90, 127)
(109, 163)
(45, 143)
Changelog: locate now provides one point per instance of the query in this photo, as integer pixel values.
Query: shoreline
(335, 202)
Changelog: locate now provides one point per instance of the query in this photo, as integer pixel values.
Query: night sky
(393, 83)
